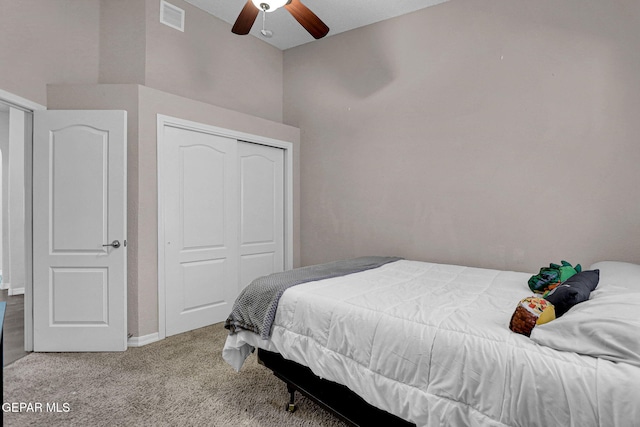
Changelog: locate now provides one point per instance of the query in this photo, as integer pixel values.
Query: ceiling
(339, 15)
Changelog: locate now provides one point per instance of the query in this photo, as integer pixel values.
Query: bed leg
(291, 406)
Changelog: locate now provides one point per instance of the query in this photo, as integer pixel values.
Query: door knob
(115, 244)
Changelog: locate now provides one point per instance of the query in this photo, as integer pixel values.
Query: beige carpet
(180, 381)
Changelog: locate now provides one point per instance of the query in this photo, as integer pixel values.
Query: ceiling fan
(300, 12)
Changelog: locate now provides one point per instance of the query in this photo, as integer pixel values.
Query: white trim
(162, 327)
(163, 121)
(28, 244)
(20, 102)
(288, 208)
(17, 217)
(229, 133)
(16, 291)
(143, 340)
(4, 286)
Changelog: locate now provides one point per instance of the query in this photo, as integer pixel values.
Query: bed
(430, 345)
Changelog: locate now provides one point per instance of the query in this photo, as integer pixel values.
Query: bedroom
(496, 134)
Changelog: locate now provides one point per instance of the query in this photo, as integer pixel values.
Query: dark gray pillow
(572, 291)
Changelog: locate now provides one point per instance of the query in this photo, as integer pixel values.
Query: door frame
(164, 120)
(28, 107)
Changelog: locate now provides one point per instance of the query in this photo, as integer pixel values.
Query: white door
(79, 231)
(261, 171)
(201, 228)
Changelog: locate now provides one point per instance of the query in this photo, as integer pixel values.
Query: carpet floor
(179, 381)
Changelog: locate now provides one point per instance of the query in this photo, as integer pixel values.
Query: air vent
(171, 15)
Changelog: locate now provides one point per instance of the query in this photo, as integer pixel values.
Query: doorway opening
(16, 145)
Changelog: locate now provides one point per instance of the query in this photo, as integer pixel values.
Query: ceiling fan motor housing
(299, 11)
(270, 5)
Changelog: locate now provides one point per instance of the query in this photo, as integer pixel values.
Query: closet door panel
(223, 218)
(201, 247)
(202, 197)
(261, 172)
(256, 265)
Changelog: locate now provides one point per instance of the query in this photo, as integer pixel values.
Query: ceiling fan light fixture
(269, 5)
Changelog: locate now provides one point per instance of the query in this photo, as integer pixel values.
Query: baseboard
(16, 291)
(4, 286)
(144, 340)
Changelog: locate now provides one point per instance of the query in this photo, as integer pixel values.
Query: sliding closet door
(222, 204)
(261, 171)
(201, 228)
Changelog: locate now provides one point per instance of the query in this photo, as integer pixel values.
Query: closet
(222, 206)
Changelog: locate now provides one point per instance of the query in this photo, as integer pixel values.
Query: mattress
(430, 343)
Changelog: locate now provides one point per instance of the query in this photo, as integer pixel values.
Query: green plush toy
(550, 277)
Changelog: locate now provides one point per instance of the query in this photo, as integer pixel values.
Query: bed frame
(333, 397)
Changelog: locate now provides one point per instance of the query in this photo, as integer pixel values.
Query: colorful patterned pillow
(531, 311)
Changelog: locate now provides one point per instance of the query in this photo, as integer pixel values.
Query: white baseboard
(144, 340)
(5, 286)
(16, 291)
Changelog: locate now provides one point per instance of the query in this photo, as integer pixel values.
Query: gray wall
(47, 41)
(494, 133)
(209, 63)
(122, 41)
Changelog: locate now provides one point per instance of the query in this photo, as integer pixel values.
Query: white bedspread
(430, 343)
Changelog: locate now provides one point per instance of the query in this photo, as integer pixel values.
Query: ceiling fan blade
(307, 19)
(246, 19)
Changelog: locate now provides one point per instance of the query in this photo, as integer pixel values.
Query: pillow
(531, 311)
(572, 291)
(621, 274)
(606, 326)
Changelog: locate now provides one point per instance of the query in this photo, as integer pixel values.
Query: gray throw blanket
(255, 307)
